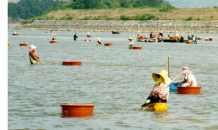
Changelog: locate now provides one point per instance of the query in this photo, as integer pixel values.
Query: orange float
(141, 37)
(188, 90)
(207, 39)
(189, 42)
(53, 41)
(200, 38)
(87, 39)
(76, 63)
(172, 38)
(77, 110)
(24, 44)
(108, 44)
(89, 36)
(135, 47)
(16, 34)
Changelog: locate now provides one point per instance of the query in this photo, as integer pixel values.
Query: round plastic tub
(53, 41)
(76, 63)
(188, 90)
(135, 47)
(108, 44)
(77, 110)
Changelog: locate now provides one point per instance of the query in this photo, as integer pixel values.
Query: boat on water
(175, 40)
(115, 32)
(151, 40)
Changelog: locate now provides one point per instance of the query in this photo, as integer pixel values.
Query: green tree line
(25, 9)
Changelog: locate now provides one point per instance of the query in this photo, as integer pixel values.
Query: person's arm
(181, 81)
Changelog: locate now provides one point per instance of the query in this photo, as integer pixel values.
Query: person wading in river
(54, 37)
(130, 43)
(157, 100)
(75, 36)
(32, 55)
(99, 42)
(151, 35)
(189, 80)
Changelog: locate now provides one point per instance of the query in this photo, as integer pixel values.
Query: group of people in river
(157, 99)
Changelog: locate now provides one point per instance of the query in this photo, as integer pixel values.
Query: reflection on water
(113, 78)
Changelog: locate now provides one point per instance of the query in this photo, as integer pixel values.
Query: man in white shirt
(189, 80)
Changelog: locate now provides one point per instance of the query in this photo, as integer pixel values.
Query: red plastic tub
(141, 37)
(188, 90)
(135, 47)
(76, 63)
(24, 44)
(189, 42)
(108, 44)
(172, 38)
(16, 34)
(89, 36)
(87, 39)
(53, 41)
(77, 110)
(46, 32)
(207, 39)
(200, 39)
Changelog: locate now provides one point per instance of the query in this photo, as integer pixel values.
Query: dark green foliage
(139, 17)
(189, 19)
(26, 9)
(166, 8)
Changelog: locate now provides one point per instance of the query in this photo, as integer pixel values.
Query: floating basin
(53, 41)
(188, 90)
(189, 42)
(108, 44)
(89, 36)
(76, 63)
(200, 38)
(87, 39)
(24, 44)
(16, 34)
(77, 110)
(141, 37)
(207, 39)
(172, 38)
(135, 47)
(46, 32)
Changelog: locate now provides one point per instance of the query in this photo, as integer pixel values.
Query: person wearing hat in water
(130, 43)
(160, 36)
(32, 55)
(88, 34)
(54, 37)
(151, 35)
(99, 42)
(157, 100)
(182, 38)
(75, 36)
(189, 80)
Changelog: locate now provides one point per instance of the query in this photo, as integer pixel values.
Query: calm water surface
(112, 78)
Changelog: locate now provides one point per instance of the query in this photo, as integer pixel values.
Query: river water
(113, 78)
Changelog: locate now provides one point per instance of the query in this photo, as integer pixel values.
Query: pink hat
(185, 70)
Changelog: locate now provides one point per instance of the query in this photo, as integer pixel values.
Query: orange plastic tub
(24, 44)
(53, 41)
(108, 44)
(188, 90)
(141, 37)
(46, 32)
(200, 38)
(189, 42)
(172, 38)
(77, 110)
(89, 36)
(135, 47)
(87, 39)
(207, 39)
(76, 63)
(16, 34)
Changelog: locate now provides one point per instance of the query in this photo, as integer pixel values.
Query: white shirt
(191, 80)
(131, 43)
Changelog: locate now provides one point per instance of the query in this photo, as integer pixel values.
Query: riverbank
(167, 26)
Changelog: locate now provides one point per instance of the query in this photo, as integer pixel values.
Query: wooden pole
(169, 67)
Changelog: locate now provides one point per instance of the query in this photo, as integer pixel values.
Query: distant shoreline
(167, 26)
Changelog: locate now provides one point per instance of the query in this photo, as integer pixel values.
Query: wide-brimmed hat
(185, 70)
(32, 47)
(130, 38)
(163, 74)
(55, 35)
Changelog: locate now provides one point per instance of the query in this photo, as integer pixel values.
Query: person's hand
(147, 102)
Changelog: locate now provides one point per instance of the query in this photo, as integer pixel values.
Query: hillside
(115, 14)
(193, 3)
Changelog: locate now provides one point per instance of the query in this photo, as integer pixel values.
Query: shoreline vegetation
(186, 14)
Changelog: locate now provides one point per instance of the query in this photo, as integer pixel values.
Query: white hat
(130, 38)
(32, 47)
(161, 32)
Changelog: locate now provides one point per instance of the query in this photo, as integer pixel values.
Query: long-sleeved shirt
(164, 94)
(31, 53)
(190, 79)
(131, 43)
